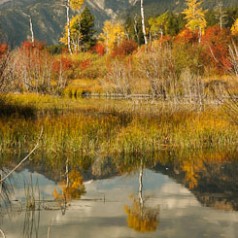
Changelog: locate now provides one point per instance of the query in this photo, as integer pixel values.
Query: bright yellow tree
(75, 35)
(75, 5)
(113, 34)
(234, 28)
(195, 16)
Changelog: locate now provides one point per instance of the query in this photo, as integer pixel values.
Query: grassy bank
(100, 128)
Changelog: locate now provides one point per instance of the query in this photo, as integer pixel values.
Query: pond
(166, 198)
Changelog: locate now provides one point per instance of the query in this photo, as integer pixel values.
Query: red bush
(99, 48)
(62, 64)
(3, 49)
(127, 47)
(85, 64)
(215, 44)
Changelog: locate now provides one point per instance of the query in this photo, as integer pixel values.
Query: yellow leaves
(73, 190)
(74, 32)
(76, 4)
(234, 28)
(113, 34)
(195, 15)
(192, 168)
(141, 219)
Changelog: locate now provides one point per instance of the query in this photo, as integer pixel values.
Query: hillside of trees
(48, 17)
(177, 55)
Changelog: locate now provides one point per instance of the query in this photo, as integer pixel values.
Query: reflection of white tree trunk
(141, 187)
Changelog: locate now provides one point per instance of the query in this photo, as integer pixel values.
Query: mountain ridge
(49, 17)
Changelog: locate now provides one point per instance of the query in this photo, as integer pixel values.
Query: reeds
(110, 129)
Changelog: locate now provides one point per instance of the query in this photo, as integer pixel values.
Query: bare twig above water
(2, 234)
(25, 159)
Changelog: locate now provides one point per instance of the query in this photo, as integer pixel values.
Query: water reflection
(211, 177)
(140, 217)
(170, 194)
(72, 187)
(31, 223)
(5, 190)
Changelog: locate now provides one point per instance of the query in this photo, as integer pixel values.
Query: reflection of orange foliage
(74, 190)
(141, 219)
(192, 169)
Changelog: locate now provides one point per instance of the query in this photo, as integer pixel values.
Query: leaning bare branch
(2, 233)
(25, 159)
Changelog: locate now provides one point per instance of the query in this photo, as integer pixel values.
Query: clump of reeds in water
(32, 195)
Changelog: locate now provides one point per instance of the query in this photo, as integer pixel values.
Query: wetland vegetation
(121, 135)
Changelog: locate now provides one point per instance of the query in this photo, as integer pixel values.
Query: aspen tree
(142, 19)
(113, 34)
(234, 28)
(195, 16)
(74, 5)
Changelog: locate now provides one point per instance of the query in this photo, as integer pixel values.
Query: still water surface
(146, 203)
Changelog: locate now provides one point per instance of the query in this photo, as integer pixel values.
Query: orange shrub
(215, 44)
(99, 48)
(127, 47)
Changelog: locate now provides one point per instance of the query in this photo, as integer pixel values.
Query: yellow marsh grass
(92, 128)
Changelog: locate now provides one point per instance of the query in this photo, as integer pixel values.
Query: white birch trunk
(32, 32)
(67, 5)
(143, 21)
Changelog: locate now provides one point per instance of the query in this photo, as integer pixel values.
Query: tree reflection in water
(33, 208)
(72, 187)
(31, 223)
(140, 217)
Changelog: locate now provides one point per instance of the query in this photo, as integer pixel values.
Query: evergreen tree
(82, 33)
(87, 29)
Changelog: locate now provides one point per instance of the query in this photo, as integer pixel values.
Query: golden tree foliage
(192, 169)
(195, 15)
(76, 4)
(74, 190)
(234, 28)
(75, 35)
(140, 218)
(113, 34)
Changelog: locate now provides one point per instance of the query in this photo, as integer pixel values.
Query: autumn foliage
(125, 48)
(215, 44)
(3, 49)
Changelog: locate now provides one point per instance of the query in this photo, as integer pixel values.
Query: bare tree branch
(25, 159)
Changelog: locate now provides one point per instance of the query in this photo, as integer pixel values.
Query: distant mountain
(48, 16)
